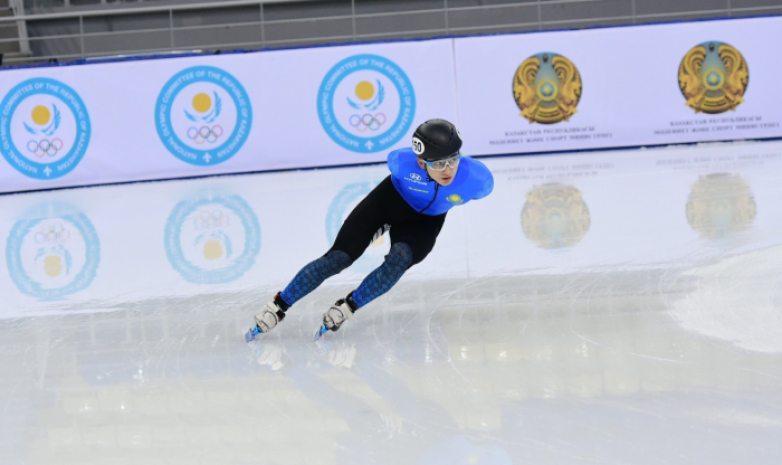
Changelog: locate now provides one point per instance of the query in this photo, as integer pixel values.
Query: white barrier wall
(168, 118)
(179, 117)
(619, 87)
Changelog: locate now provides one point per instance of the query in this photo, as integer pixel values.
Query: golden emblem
(720, 204)
(555, 216)
(713, 77)
(547, 88)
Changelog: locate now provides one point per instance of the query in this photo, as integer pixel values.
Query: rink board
(346, 105)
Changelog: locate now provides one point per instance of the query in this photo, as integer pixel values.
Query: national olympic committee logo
(53, 253)
(212, 240)
(203, 115)
(366, 103)
(547, 88)
(346, 200)
(713, 77)
(44, 128)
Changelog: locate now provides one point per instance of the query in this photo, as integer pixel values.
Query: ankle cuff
(353, 306)
(281, 303)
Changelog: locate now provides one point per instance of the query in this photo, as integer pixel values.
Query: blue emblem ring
(71, 99)
(196, 275)
(330, 122)
(170, 138)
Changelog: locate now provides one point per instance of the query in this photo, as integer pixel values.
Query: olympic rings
(211, 219)
(52, 234)
(205, 134)
(368, 121)
(45, 147)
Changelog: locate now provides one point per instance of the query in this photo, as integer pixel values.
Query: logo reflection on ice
(713, 77)
(720, 204)
(203, 115)
(555, 216)
(212, 240)
(366, 103)
(547, 88)
(50, 257)
(44, 128)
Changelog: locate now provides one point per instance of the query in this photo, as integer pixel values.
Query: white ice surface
(621, 307)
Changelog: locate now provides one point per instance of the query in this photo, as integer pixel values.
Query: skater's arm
(484, 179)
(394, 162)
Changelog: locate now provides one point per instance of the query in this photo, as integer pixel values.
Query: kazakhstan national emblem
(547, 88)
(713, 77)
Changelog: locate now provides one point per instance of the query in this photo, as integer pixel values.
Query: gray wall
(301, 23)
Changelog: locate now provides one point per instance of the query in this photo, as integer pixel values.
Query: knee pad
(338, 260)
(400, 255)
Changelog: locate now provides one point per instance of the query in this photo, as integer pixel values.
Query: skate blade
(321, 331)
(251, 333)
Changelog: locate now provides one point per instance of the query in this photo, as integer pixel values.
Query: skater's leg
(313, 275)
(361, 227)
(378, 282)
(411, 242)
(398, 260)
(305, 281)
(364, 224)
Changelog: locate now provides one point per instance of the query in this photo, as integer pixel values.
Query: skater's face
(444, 177)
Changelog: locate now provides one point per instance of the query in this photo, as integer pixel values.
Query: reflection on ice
(212, 239)
(637, 341)
(52, 251)
(737, 299)
(554, 216)
(720, 204)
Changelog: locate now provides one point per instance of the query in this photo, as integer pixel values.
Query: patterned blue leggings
(398, 260)
(385, 276)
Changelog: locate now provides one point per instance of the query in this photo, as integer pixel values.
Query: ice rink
(620, 307)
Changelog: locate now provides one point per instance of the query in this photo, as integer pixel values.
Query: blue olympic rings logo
(368, 121)
(52, 234)
(211, 220)
(205, 134)
(45, 147)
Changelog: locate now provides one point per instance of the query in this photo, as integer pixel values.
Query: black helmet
(436, 139)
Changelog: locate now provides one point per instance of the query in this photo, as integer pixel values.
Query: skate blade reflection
(251, 333)
(320, 332)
